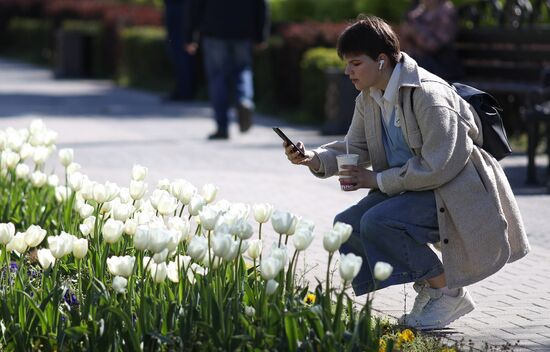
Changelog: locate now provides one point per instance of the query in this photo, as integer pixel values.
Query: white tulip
(139, 173)
(121, 266)
(255, 249)
(99, 193)
(223, 206)
(37, 126)
(233, 251)
(244, 230)
(161, 256)
(9, 159)
(90, 221)
(59, 246)
(34, 235)
(17, 243)
(302, 239)
(292, 227)
(62, 193)
(87, 189)
(53, 180)
(49, 138)
(112, 230)
(124, 195)
(304, 224)
(249, 311)
(221, 244)
(382, 271)
(271, 287)
(130, 227)
(281, 221)
(26, 151)
(331, 241)
(196, 204)
(38, 179)
(72, 168)
(137, 189)
(262, 212)
(209, 192)
(119, 284)
(208, 216)
(7, 231)
(45, 258)
(181, 226)
(197, 248)
(343, 230)
(159, 272)
(85, 210)
(76, 181)
(22, 171)
(66, 156)
(122, 211)
(141, 237)
(159, 238)
(80, 248)
(172, 272)
(167, 204)
(112, 190)
(40, 155)
(350, 264)
(270, 268)
(163, 184)
(84, 229)
(185, 191)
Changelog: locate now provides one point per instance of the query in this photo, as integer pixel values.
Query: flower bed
(88, 265)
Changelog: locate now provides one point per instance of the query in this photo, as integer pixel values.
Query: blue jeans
(184, 64)
(394, 230)
(228, 63)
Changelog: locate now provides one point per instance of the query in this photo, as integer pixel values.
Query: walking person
(229, 31)
(430, 181)
(183, 62)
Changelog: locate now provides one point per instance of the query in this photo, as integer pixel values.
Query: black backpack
(495, 141)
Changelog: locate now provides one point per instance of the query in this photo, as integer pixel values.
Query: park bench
(510, 59)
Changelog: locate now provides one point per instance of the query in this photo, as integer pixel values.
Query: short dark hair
(369, 35)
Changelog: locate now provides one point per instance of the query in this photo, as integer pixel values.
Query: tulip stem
(338, 308)
(260, 238)
(280, 237)
(181, 211)
(327, 290)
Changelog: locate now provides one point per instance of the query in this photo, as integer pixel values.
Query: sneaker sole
(462, 312)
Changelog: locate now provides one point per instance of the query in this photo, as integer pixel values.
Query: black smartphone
(287, 140)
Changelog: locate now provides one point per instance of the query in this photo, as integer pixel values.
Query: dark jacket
(227, 19)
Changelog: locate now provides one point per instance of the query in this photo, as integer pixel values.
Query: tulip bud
(26, 151)
(343, 230)
(269, 268)
(281, 221)
(255, 249)
(350, 264)
(85, 210)
(40, 155)
(137, 189)
(112, 230)
(382, 271)
(197, 248)
(249, 311)
(76, 180)
(121, 266)
(139, 173)
(45, 258)
(331, 241)
(17, 243)
(172, 271)
(53, 180)
(209, 217)
(7, 231)
(72, 168)
(38, 179)
(22, 171)
(158, 272)
(302, 239)
(99, 193)
(167, 204)
(271, 287)
(196, 204)
(119, 284)
(209, 192)
(9, 159)
(34, 235)
(141, 237)
(66, 156)
(80, 248)
(221, 244)
(130, 227)
(262, 212)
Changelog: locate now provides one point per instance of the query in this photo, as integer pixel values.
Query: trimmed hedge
(28, 39)
(314, 83)
(144, 60)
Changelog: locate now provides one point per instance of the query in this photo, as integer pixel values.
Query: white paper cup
(346, 159)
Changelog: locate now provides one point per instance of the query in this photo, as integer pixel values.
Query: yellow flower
(406, 336)
(310, 298)
(382, 346)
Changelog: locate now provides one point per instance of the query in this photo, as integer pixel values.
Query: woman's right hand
(310, 159)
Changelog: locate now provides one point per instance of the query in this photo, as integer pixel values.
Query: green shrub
(314, 83)
(28, 39)
(144, 59)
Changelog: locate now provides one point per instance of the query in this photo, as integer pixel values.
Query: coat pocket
(415, 139)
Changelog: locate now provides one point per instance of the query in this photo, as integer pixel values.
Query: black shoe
(245, 117)
(218, 135)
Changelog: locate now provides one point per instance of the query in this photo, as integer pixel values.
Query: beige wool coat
(480, 225)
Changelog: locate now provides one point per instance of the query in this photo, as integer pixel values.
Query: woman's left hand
(360, 177)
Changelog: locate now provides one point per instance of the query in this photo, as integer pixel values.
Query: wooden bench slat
(505, 35)
(535, 54)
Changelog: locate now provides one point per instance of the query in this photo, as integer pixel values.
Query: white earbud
(381, 63)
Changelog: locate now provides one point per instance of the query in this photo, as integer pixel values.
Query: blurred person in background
(183, 63)
(428, 34)
(228, 31)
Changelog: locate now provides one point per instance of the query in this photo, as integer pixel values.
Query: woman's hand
(309, 158)
(359, 178)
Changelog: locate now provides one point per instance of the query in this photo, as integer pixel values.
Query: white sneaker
(420, 301)
(441, 310)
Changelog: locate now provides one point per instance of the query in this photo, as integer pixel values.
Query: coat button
(441, 210)
(446, 241)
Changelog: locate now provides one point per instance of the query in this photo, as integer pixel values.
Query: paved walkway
(110, 129)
